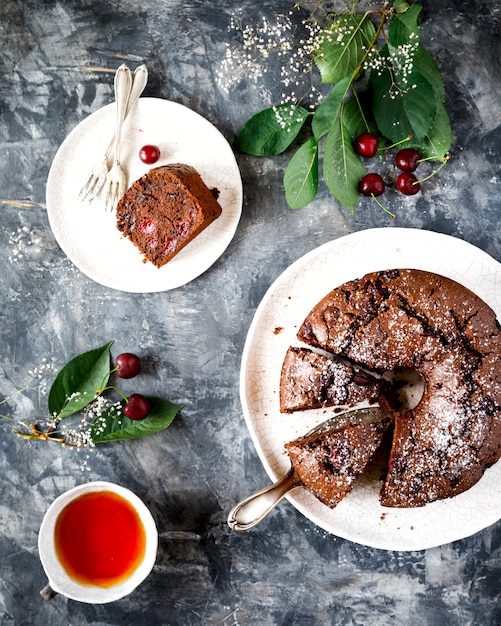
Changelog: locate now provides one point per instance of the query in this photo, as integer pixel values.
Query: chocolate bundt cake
(330, 462)
(166, 209)
(417, 319)
(310, 381)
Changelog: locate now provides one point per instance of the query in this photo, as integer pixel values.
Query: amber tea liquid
(100, 539)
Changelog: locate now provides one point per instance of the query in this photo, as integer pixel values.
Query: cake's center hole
(407, 388)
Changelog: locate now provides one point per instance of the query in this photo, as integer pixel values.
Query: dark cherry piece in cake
(310, 381)
(166, 209)
(329, 463)
(432, 324)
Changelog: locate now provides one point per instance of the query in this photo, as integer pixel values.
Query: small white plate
(88, 234)
(360, 517)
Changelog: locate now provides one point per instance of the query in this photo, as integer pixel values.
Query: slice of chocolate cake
(310, 381)
(329, 463)
(166, 209)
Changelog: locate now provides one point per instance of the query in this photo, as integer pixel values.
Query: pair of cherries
(128, 365)
(407, 159)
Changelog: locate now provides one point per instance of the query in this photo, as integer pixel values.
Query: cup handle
(48, 593)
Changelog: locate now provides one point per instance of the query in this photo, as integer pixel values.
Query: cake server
(255, 507)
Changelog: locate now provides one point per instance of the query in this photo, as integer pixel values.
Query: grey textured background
(285, 571)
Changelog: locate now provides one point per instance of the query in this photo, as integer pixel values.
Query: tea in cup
(97, 543)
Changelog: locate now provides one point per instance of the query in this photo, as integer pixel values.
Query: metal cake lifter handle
(250, 511)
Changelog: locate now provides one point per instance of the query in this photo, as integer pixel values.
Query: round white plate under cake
(87, 233)
(360, 517)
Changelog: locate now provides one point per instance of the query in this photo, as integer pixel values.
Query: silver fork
(116, 180)
(97, 177)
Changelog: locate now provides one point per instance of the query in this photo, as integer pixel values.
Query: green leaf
(439, 141)
(113, 425)
(399, 6)
(272, 130)
(343, 168)
(403, 109)
(301, 175)
(327, 112)
(427, 67)
(404, 27)
(354, 119)
(76, 384)
(343, 46)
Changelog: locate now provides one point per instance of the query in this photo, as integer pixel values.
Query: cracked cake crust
(309, 380)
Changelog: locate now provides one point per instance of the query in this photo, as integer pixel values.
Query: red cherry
(137, 407)
(407, 159)
(408, 184)
(371, 185)
(128, 364)
(147, 227)
(149, 154)
(366, 145)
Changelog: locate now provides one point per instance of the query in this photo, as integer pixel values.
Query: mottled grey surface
(285, 571)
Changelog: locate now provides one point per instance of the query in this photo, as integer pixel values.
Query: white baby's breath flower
(287, 37)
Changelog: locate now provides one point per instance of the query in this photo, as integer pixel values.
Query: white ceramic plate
(88, 234)
(359, 517)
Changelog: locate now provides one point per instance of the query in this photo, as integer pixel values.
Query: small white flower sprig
(384, 83)
(268, 39)
(78, 390)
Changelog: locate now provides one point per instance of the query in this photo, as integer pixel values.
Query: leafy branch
(79, 388)
(405, 99)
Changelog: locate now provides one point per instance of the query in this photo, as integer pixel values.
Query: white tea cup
(60, 579)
